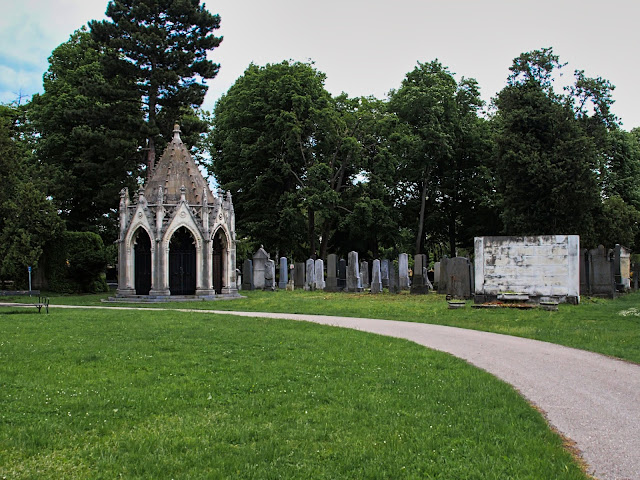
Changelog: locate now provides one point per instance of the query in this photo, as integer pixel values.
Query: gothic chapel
(177, 239)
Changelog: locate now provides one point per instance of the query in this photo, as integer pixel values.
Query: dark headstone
(298, 275)
(247, 275)
(342, 274)
(332, 273)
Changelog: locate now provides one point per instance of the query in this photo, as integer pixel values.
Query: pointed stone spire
(176, 134)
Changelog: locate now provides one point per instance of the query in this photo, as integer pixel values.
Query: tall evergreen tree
(163, 45)
(546, 159)
(88, 120)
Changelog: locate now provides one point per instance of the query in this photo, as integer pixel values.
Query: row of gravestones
(351, 276)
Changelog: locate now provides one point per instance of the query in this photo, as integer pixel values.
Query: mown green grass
(595, 325)
(157, 394)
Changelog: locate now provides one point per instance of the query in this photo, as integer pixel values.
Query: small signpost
(29, 280)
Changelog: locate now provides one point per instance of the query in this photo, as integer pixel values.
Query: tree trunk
(423, 206)
(452, 236)
(312, 233)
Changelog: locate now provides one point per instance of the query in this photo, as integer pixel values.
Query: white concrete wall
(545, 265)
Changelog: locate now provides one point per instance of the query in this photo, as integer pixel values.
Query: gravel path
(592, 399)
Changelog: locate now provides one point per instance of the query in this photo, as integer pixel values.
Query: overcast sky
(365, 47)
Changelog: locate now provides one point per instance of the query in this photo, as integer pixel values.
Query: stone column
(319, 274)
(403, 271)
(284, 273)
(376, 278)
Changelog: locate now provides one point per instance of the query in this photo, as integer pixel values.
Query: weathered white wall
(545, 265)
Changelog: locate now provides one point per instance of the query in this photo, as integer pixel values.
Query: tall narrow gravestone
(384, 273)
(284, 273)
(332, 273)
(419, 285)
(394, 279)
(259, 266)
(403, 271)
(319, 277)
(376, 280)
(353, 273)
(364, 274)
(270, 275)
(247, 275)
(310, 280)
(342, 274)
(298, 275)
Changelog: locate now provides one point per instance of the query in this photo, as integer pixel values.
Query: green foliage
(444, 152)
(89, 124)
(28, 218)
(162, 45)
(75, 262)
(546, 159)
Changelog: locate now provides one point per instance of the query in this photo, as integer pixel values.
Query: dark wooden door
(182, 263)
(217, 264)
(142, 265)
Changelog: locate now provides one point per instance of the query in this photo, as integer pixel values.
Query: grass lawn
(157, 394)
(597, 325)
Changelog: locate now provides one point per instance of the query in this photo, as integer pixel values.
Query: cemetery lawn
(610, 327)
(166, 394)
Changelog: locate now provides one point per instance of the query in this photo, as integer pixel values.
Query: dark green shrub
(76, 262)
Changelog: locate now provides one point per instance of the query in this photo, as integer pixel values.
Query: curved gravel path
(592, 399)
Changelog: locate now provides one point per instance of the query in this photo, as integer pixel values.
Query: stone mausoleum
(177, 238)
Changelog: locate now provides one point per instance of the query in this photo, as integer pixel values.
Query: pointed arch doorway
(219, 256)
(142, 262)
(182, 263)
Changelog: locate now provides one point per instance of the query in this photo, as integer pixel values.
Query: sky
(365, 47)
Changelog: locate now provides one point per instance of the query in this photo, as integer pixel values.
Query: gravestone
(342, 274)
(259, 266)
(376, 277)
(436, 275)
(319, 277)
(420, 283)
(284, 273)
(270, 275)
(353, 273)
(310, 280)
(384, 273)
(247, 275)
(332, 273)
(298, 275)
(443, 278)
(622, 267)
(403, 271)
(394, 279)
(364, 274)
(460, 272)
(238, 279)
(601, 272)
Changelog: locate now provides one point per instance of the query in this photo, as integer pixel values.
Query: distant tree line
(422, 171)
